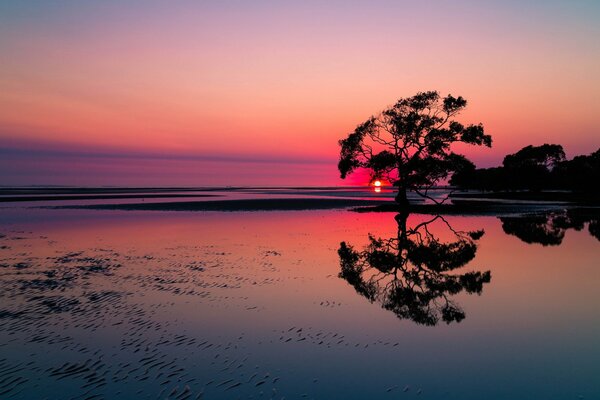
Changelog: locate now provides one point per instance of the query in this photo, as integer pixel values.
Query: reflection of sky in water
(239, 304)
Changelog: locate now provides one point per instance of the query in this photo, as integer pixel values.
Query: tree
(530, 168)
(408, 144)
(493, 179)
(581, 174)
(546, 156)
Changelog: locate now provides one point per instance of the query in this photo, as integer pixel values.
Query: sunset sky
(259, 92)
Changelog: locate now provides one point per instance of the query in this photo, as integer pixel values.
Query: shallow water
(131, 304)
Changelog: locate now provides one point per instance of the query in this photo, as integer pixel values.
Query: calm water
(227, 305)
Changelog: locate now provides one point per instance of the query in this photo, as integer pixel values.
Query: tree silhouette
(535, 168)
(410, 274)
(581, 174)
(546, 155)
(531, 167)
(408, 144)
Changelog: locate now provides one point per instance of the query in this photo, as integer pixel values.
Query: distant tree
(485, 179)
(530, 168)
(546, 155)
(408, 144)
(581, 174)
(464, 175)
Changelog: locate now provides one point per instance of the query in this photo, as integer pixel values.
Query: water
(226, 305)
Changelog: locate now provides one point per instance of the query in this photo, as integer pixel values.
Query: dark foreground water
(270, 305)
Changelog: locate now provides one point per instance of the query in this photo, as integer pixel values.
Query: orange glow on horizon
(289, 80)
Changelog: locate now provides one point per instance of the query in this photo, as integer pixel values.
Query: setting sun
(377, 183)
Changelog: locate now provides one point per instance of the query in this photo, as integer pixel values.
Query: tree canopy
(408, 144)
(546, 156)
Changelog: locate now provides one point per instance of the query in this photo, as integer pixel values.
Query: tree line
(534, 168)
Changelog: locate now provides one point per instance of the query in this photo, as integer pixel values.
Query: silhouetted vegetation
(411, 274)
(581, 174)
(534, 168)
(408, 144)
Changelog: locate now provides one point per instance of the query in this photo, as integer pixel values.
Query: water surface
(225, 305)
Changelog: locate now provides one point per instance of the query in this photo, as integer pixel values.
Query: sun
(377, 183)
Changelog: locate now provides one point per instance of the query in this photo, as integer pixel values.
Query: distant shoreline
(354, 205)
(153, 189)
(284, 204)
(16, 199)
(358, 199)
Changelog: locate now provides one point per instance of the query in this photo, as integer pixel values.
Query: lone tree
(408, 144)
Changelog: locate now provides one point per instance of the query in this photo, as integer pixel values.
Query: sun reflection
(377, 186)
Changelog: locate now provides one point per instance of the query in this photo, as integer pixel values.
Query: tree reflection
(414, 274)
(549, 229)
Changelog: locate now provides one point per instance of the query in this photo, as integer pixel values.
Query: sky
(216, 93)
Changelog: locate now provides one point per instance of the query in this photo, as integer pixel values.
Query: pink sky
(237, 93)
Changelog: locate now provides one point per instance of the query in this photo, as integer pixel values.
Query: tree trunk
(401, 198)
